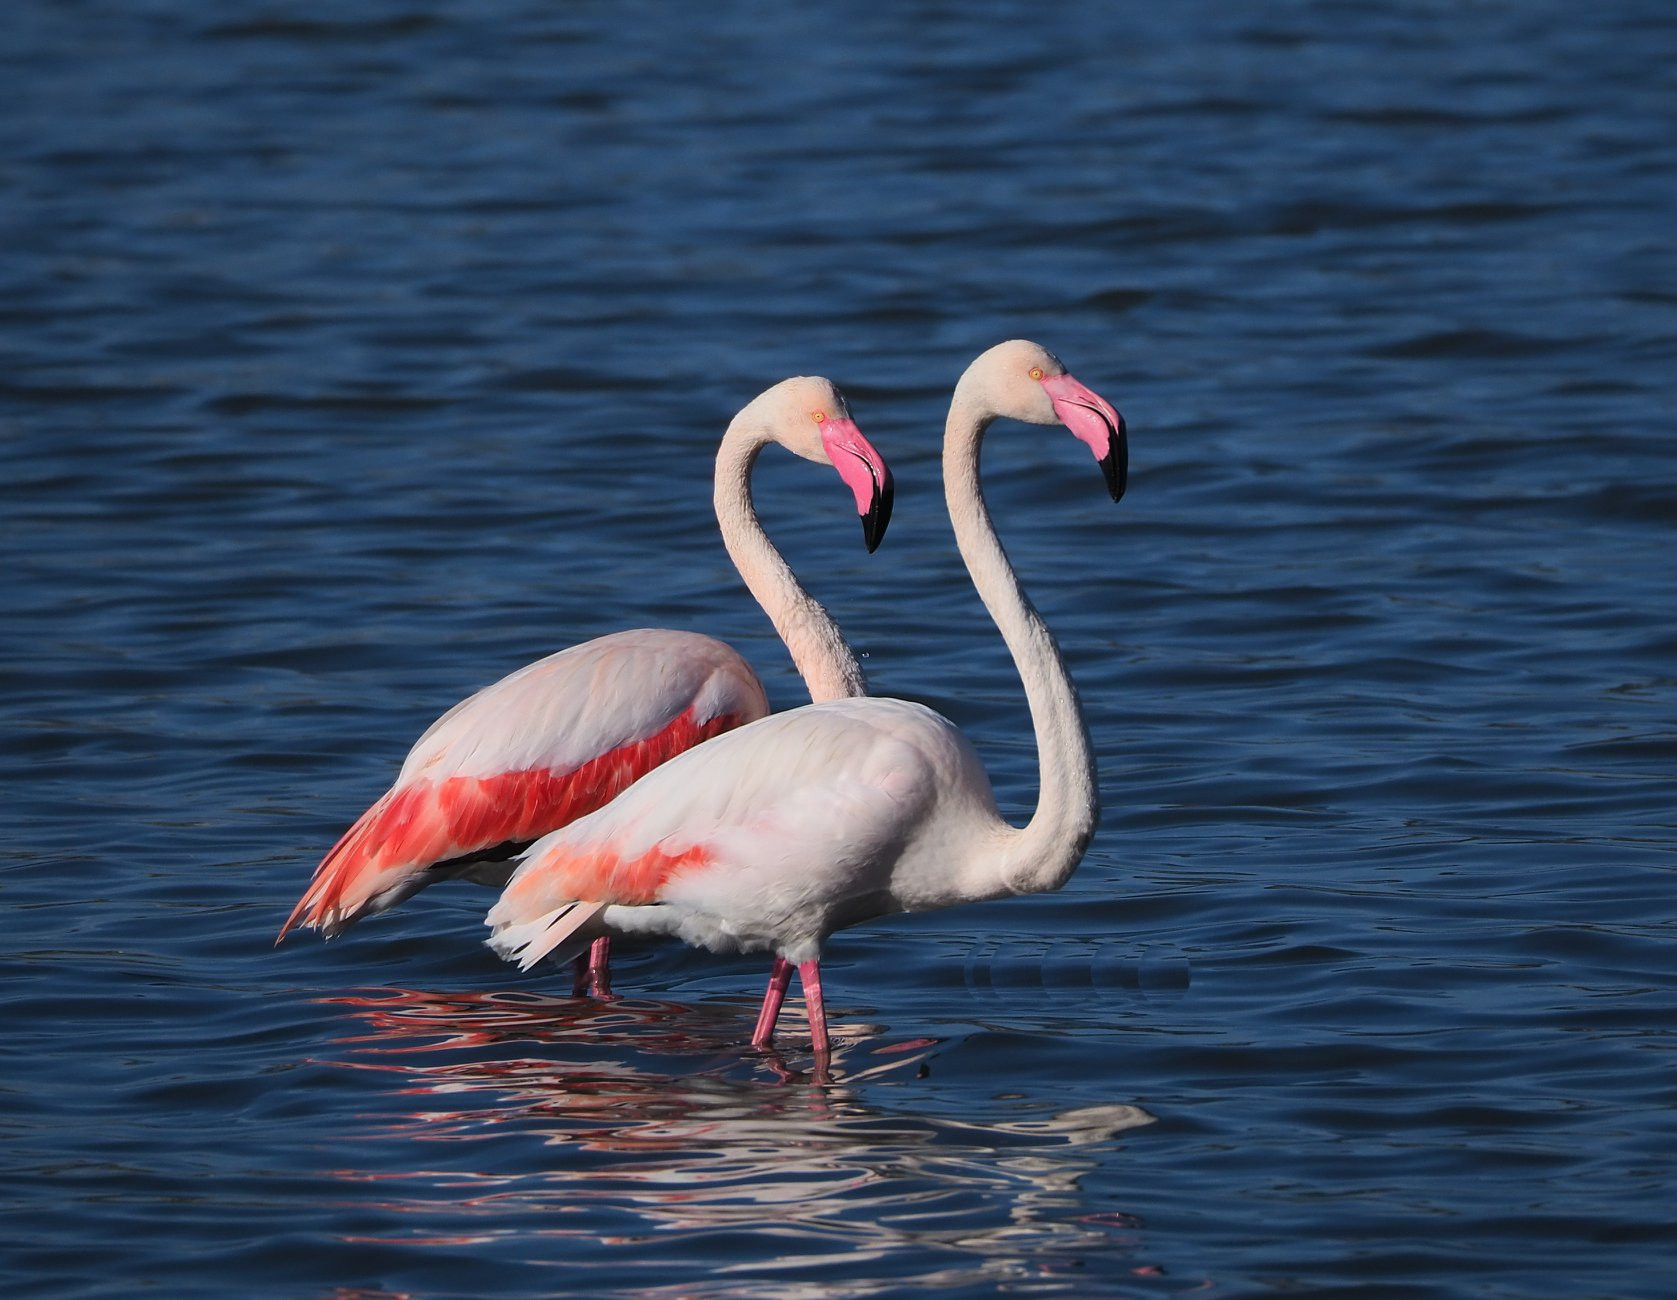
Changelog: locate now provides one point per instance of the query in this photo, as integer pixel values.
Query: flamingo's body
(565, 735)
(772, 838)
(539, 748)
(776, 835)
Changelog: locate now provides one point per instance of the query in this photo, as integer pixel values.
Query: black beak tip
(878, 517)
(1116, 463)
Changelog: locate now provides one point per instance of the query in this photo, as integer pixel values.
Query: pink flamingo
(780, 833)
(566, 734)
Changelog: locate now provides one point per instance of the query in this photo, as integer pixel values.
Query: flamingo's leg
(809, 975)
(591, 971)
(599, 967)
(780, 975)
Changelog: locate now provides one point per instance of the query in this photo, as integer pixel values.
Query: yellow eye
(820, 417)
(1036, 372)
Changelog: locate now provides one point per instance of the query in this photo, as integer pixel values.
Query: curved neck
(1043, 854)
(819, 651)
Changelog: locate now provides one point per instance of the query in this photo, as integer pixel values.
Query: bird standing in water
(565, 735)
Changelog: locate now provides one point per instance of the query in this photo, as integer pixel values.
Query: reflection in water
(648, 1122)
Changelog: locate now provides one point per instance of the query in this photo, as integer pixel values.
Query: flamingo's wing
(547, 744)
(792, 825)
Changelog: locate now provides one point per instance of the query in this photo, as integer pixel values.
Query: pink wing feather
(541, 747)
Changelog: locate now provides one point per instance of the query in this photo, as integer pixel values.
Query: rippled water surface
(354, 356)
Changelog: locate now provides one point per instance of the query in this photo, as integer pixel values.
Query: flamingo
(564, 735)
(775, 836)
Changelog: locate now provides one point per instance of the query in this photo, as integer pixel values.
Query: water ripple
(353, 361)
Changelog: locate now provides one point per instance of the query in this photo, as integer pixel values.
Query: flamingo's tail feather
(349, 883)
(562, 933)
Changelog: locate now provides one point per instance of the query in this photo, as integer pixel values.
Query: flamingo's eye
(1036, 372)
(820, 417)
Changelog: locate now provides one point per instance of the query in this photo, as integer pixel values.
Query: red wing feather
(384, 856)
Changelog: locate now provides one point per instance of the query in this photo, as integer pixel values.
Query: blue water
(355, 356)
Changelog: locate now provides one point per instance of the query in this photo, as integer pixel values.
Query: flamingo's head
(1025, 381)
(810, 418)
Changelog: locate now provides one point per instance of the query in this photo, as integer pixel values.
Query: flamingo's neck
(1041, 855)
(819, 651)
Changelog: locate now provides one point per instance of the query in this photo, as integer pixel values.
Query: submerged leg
(591, 971)
(780, 975)
(599, 967)
(809, 975)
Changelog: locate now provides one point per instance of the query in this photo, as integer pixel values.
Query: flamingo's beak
(878, 515)
(1097, 424)
(865, 471)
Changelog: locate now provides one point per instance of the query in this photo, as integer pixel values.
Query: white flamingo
(780, 833)
(566, 734)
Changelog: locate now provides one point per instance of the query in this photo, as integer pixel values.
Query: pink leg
(780, 975)
(599, 967)
(591, 972)
(809, 975)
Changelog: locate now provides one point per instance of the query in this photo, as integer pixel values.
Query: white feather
(527, 942)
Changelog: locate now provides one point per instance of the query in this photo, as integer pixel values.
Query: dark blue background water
(355, 356)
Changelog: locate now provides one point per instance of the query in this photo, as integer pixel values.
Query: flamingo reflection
(607, 1121)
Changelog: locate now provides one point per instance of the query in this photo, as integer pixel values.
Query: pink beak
(1096, 423)
(865, 471)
